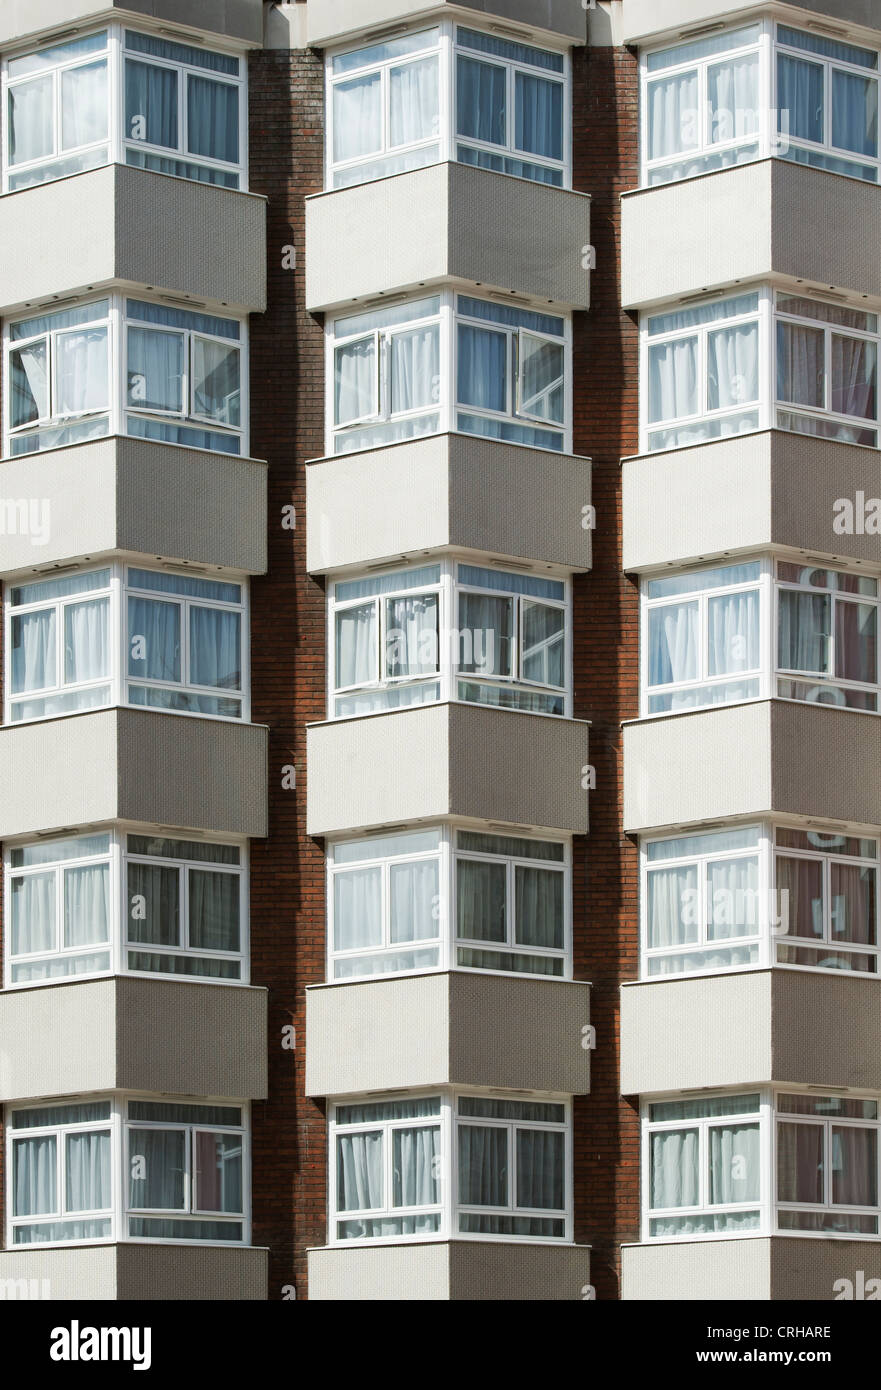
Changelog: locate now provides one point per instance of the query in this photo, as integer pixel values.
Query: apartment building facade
(500, 376)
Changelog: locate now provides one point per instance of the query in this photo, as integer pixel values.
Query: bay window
(122, 96)
(757, 90)
(391, 374)
(827, 370)
(757, 895)
(754, 1164)
(126, 635)
(447, 93)
(112, 901)
(108, 1169)
(705, 637)
(445, 898)
(450, 1164)
(125, 366)
(396, 643)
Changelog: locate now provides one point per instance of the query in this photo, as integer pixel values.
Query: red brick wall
(287, 665)
(606, 661)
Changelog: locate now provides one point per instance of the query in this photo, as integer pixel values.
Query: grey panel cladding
(228, 19)
(811, 1269)
(450, 1270)
(546, 1273)
(329, 20)
(519, 1034)
(643, 19)
(147, 1273)
(825, 1029)
(826, 762)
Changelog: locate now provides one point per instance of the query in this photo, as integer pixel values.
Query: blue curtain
(481, 96)
(538, 116)
(212, 119)
(800, 95)
(151, 102)
(483, 357)
(157, 657)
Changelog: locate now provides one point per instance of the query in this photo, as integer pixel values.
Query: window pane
(87, 1183)
(30, 384)
(31, 120)
(802, 910)
(486, 634)
(359, 1171)
(800, 98)
(673, 643)
(804, 632)
(483, 368)
(218, 1172)
(673, 385)
(33, 651)
(81, 372)
(33, 1176)
(413, 889)
(854, 377)
(215, 648)
(854, 112)
(154, 639)
(733, 95)
(854, 1166)
(33, 914)
(87, 905)
(799, 1163)
(544, 644)
(732, 899)
(412, 647)
(214, 911)
(674, 1169)
(212, 119)
(542, 395)
(733, 366)
(414, 102)
(801, 369)
(540, 1169)
(355, 381)
(357, 909)
(357, 117)
(481, 96)
(151, 104)
(415, 1180)
(415, 369)
(356, 644)
(673, 907)
(733, 635)
(538, 126)
(154, 904)
(854, 892)
(481, 901)
(539, 907)
(84, 105)
(216, 382)
(157, 1169)
(735, 1171)
(483, 1166)
(673, 118)
(856, 641)
(155, 370)
(86, 647)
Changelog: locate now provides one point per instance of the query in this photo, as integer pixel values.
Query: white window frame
(771, 142)
(120, 1126)
(823, 682)
(117, 140)
(447, 138)
(441, 1122)
(118, 679)
(827, 857)
(118, 945)
(446, 939)
(60, 1131)
(190, 1129)
(50, 336)
(826, 412)
(827, 1206)
(58, 605)
(449, 675)
(448, 1122)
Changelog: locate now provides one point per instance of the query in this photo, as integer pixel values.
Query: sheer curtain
(413, 889)
(34, 1162)
(799, 1163)
(735, 1164)
(673, 911)
(538, 125)
(86, 646)
(81, 372)
(87, 905)
(414, 102)
(158, 1182)
(212, 118)
(800, 100)
(483, 1166)
(88, 1172)
(156, 920)
(673, 643)
(30, 384)
(802, 880)
(674, 1171)
(356, 644)
(854, 1166)
(415, 1183)
(482, 369)
(801, 365)
(673, 383)
(214, 911)
(155, 370)
(733, 637)
(486, 634)
(733, 366)
(481, 901)
(412, 636)
(151, 104)
(481, 100)
(215, 648)
(357, 909)
(854, 112)
(539, 911)
(540, 1170)
(355, 381)
(415, 369)
(854, 894)
(804, 632)
(84, 105)
(854, 377)
(154, 639)
(732, 898)
(357, 117)
(33, 651)
(673, 116)
(33, 914)
(31, 117)
(856, 647)
(733, 95)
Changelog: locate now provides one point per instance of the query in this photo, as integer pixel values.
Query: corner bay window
(181, 1170)
(447, 92)
(756, 90)
(90, 904)
(759, 895)
(396, 1162)
(124, 635)
(392, 379)
(121, 96)
(750, 1164)
(396, 643)
(438, 899)
(705, 637)
(173, 374)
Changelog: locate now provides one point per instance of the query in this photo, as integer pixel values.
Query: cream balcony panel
(448, 222)
(130, 1271)
(153, 768)
(447, 491)
(747, 493)
(751, 759)
(745, 1028)
(131, 227)
(438, 1271)
(239, 20)
(748, 1269)
(169, 1037)
(119, 495)
(330, 21)
(802, 226)
(452, 1028)
(447, 760)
